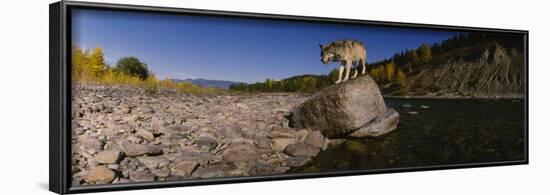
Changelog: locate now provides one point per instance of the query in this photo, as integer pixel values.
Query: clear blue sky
(235, 49)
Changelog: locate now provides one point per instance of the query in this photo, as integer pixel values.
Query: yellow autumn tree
(413, 57)
(382, 72)
(390, 71)
(269, 85)
(96, 63)
(311, 84)
(378, 73)
(401, 77)
(373, 74)
(425, 54)
(79, 61)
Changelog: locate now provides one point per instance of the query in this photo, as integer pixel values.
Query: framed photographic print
(149, 97)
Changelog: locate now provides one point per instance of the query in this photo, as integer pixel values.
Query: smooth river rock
(240, 152)
(131, 149)
(301, 149)
(145, 134)
(141, 176)
(380, 126)
(154, 162)
(185, 168)
(315, 139)
(108, 157)
(100, 174)
(91, 142)
(279, 144)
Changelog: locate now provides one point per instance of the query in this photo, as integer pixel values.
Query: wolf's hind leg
(348, 69)
(340, 74)
(364, 67)
(355, 68)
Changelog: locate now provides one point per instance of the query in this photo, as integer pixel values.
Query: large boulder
(340, 109)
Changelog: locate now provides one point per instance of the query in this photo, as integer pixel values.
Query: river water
(449, 132)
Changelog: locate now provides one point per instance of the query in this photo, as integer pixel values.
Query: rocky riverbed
(125, 134)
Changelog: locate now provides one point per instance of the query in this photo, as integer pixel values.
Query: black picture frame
(60, 101)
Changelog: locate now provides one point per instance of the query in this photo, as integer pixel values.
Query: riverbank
(126, 134)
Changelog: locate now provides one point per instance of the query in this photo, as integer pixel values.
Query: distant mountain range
(208, 83)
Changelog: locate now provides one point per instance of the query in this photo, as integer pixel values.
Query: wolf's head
(326, 55)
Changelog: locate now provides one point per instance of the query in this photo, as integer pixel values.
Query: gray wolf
(347, 52)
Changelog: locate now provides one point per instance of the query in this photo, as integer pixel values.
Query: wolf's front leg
(340, 74)
(348, 69)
